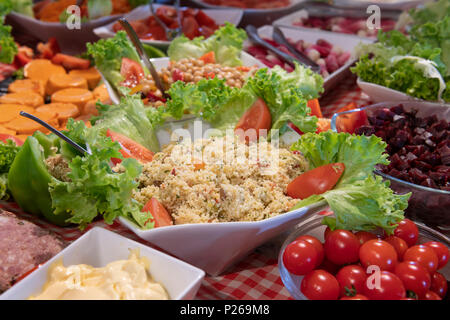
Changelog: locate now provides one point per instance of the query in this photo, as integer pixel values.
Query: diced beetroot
(267, 62)
(324, 51)
(299, 45)
(288, 67)
(257, 50)
(324, 43)
(332, 64)
(274, 59)
(343, 58)
(270, 41)
(356, 26)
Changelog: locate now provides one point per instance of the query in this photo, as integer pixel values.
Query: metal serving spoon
(171, 33)
(58, 133)
(253, 34)
(142, 55)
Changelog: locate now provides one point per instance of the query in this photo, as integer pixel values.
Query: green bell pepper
(29, 179)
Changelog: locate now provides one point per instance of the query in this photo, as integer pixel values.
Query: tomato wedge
(205, 20)
(70, 62)
(315, 181)
(4, 137)
(351, 121)
(190, 27)
(315, 108)
(132, 72)
(209, 57)
(161, 217)
(258, 118)
(130, 148)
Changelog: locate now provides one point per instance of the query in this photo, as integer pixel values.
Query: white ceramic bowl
(220, 16)
(379, 93)
(344, 41)
(97, 248)
(292, 4)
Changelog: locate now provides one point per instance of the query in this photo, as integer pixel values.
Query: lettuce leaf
(8, 48)
(108, 54)
(360, 200)
(285, 94)
(99, 8)
(94, 188)
(8, 152)
(226, 42)
(131, 119)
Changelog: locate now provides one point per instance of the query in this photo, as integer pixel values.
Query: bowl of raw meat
(418, 144)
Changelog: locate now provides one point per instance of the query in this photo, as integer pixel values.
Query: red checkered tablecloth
(254, 278)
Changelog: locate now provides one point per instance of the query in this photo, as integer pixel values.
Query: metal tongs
(58, 133)
(142, 55)
(171, 33)
(253, 34)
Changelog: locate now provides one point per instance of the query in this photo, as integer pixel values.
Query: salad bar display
(223, 141)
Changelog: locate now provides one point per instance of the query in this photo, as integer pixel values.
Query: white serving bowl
(220, 16)
(379, 93)
(344, 41)
(97, 248)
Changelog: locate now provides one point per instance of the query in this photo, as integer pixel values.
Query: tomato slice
(209, 57)
(166, 14)
(351, 121)
(132, 72)
(4, 137)
(204, 20)
(315, 181)
(70, 62)
(161, 217)
(190, 27)
(258, 118)
(130, 148)
(315, 108)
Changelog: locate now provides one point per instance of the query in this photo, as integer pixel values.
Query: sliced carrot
(315, 108)
(61, 81)
(10, 112)
(28, 98)
(71, 62)
(63, 111)
(27, 126)
(77, 96)
(323, 124)
(91, 75)
(41, 69)
(27, 85)
(101, 93)
(22, 137)
(209, 57)
(7, 131)
(90, 108)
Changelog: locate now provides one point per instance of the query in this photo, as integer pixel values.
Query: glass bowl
(428, 205)
(314, 227)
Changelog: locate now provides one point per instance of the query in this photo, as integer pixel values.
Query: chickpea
(197, 78)
(231, 82)
(188, 77)
(198, 73)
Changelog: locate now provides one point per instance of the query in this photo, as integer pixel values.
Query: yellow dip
(119, 280)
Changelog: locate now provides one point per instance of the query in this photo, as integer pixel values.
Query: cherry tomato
(390, 287)
(430, 295)
(355, 297)
(132, 72)
(379, 253)
(326, 233)
(439, 284)
(408, 299)
(317, 245)
(160, 215)
(300, 257)
(342, 247)
(441, 251)
(329, 266)
(408, 231)
(414, 276)
(209, 57)
(424, 255)
(320, 285)
(257, 118)
(349, 122)
(352, 280)
(315, 181)
(399, 245)
(364, 236)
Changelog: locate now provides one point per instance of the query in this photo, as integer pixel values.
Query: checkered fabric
(254, 278)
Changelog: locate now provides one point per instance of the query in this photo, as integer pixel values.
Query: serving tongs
(142, 55)
(171, 33)
(253, 34)
(278, 36)
(58, 133)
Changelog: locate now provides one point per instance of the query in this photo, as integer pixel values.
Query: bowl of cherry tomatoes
(316, 263)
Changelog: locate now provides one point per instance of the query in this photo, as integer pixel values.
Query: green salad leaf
(226, 43)
(8, 152)
(4, 194)
(132, 119)
(360, 200)
(108, 54)
(94, 189)
(8, 48)
(285, 94)
(99, 8)
(432, 11)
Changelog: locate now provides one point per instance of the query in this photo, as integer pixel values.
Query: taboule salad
(417, 64)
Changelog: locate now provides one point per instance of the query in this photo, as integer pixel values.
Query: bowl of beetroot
(418, 143)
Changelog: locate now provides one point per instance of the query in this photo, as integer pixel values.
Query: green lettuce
(99, 8)
(94, 189)
(360, 200)
(4, 193)
(132, 119)
(8, 48)
(8, 152)
(285, 94)
(433, 11)
(108, 54)
(226, 43)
